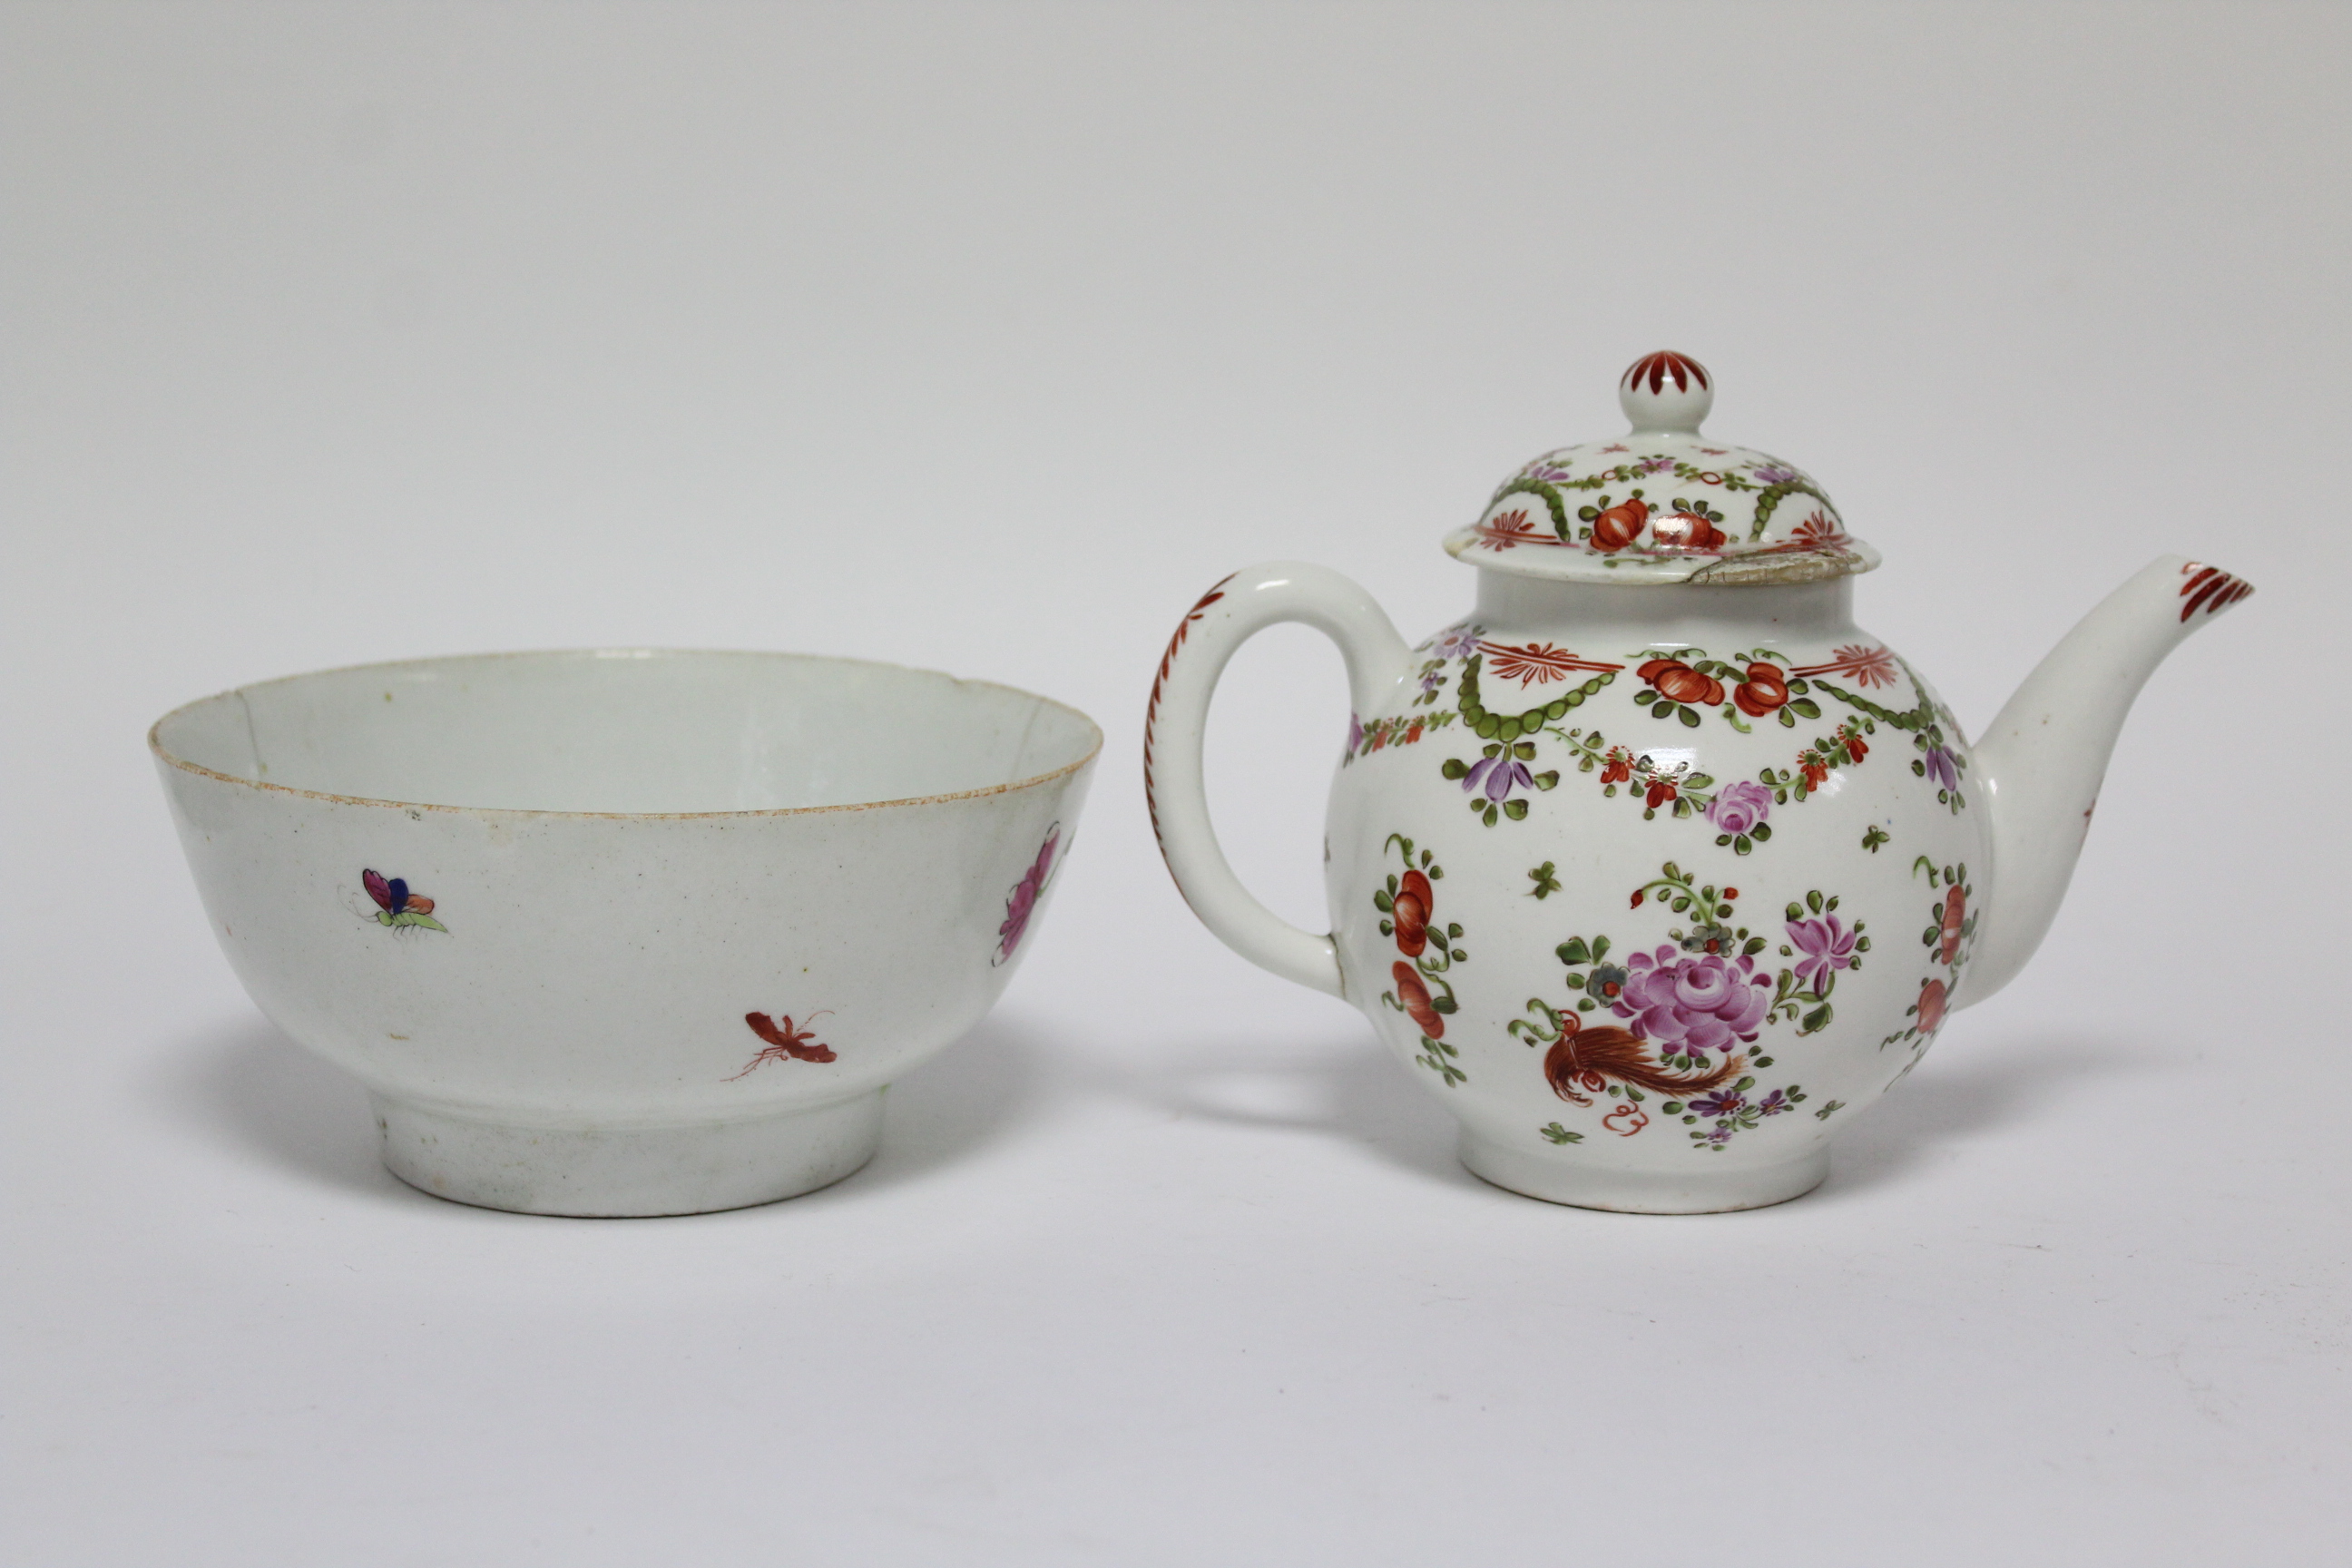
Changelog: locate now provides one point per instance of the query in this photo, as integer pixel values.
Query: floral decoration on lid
(1663, 503)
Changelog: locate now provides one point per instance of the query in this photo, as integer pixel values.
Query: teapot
(1656, 869)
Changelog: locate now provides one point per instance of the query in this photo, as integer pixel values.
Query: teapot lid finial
(1665, 390)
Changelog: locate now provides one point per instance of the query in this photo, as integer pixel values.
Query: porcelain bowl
(624, 932)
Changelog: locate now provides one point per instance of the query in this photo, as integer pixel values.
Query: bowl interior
(630, 732)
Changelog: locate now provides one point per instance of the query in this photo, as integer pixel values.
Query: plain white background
(983, 338)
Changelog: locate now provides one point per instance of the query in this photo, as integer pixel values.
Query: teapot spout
(2041, 764)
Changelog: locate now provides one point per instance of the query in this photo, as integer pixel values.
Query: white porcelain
(1657, 869)
(625, 932)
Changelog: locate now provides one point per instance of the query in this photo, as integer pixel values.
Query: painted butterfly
(396, 906)
(788, 1041)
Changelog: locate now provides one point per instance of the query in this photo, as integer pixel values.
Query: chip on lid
(1662, 503)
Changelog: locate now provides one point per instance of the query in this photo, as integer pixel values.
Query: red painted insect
(789, 1040)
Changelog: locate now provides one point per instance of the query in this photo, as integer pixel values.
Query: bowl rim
(170, 758)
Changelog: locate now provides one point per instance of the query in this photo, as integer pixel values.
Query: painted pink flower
(1740, 807)
(1024, 901)
(1692, 1004)
(1827, 947)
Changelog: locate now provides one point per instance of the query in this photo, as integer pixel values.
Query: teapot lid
(1662, 503)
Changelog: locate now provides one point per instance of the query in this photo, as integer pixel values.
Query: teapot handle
(1227, 615)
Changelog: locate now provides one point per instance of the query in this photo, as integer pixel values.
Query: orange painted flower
(1686, 531)
(1956, 909)
(1616, 767)
(1932, 998)
(1619, 525)
(1413, 902)
(1415, 997)
(1765, 690)
(1675, 679)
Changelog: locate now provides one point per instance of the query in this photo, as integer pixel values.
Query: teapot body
(1656, 870)
(1655, 889)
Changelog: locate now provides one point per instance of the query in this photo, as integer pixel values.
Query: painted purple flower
(1652, 465)
(1775, 1102)
(1691, 1004)
(1940, 769)
(1827, 947)
(1722, 1102)
(1457, 641)
(1501, 773)
(1355, 734)
(1024, 901)
(1774, 474)
(1543, 469)
(1738, 807)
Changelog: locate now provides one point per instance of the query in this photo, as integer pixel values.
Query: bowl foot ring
(610, 1172)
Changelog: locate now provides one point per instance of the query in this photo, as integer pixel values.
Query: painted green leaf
(1574, 950)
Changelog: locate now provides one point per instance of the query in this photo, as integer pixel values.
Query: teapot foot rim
(1640, 1191)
